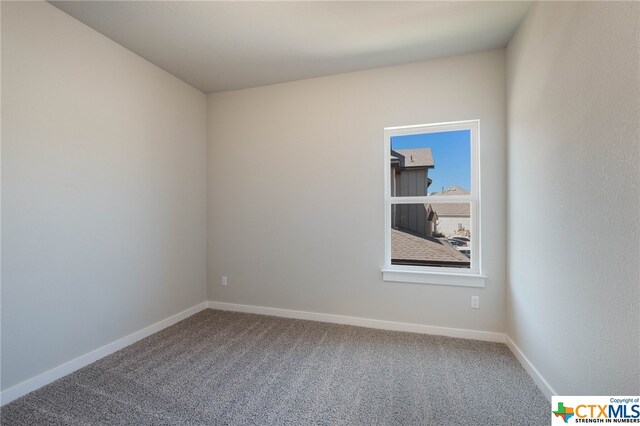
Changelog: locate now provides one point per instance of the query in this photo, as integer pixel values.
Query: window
(432, 200)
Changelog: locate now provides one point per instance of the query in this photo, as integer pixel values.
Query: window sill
(416, 277)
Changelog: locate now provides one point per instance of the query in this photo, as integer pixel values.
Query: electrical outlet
(475, 302)
(224, 280)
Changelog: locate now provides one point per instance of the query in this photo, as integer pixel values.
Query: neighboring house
(410, 177)
(411, 171)
(453, 218)
(414, 224)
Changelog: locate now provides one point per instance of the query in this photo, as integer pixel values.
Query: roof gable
(452, 190)
(417, 157)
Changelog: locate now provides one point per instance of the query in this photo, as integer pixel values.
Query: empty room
(320, 213)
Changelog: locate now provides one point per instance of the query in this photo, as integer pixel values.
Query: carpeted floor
(224, 368)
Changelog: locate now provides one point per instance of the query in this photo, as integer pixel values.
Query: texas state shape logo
(564, 412)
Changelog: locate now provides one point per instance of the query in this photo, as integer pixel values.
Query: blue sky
(451, 154)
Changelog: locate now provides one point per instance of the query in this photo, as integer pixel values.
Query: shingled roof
(418, 157)
(452, 209)
(408, 248)
(452, 190)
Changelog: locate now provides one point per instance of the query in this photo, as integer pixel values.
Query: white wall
(103, 191)
(296, 190)
(574, 195)
(450, 225)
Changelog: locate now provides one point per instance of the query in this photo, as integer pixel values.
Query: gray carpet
(224, 368)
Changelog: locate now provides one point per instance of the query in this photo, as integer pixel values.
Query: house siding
(412, 183)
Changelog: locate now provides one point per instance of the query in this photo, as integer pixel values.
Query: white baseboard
(489, 336)
(540, 381)
(69, 367)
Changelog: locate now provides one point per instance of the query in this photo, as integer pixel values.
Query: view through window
(432, 196)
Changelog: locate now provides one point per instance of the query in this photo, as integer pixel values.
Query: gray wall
(103, 191)
(296, 178)
(411, 183)
(574, 278)
(412, 217)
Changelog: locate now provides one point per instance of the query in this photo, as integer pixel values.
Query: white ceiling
(226, 45)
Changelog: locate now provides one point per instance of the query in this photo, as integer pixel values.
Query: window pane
(431, 235)
(431, 164)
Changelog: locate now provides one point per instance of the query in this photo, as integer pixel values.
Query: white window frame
(471, 277)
